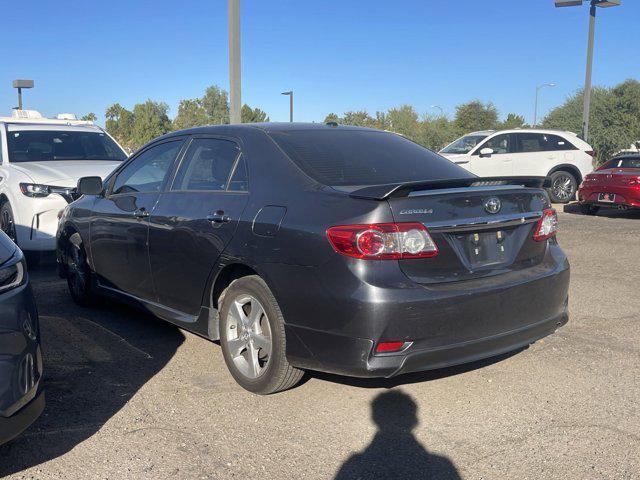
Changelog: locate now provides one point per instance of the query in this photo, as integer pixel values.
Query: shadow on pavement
(574, 208)
(95, 361)
(394, 453)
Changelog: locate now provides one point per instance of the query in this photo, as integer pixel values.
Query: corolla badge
(417, 211)
(493, 205)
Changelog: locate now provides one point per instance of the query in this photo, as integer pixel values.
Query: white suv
(41, 160)
(560, 155)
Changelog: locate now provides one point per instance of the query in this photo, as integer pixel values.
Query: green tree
(475, 115)
(252, 115)
(216, 104)
(119, 124)
(90, 117)
(150, 120)
(614, 122)
(191, 113)
(403, 120)
(332, 117)
(513, 120)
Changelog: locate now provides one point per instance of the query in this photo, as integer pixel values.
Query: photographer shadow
(395, 453)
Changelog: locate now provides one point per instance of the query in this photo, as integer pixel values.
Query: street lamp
(440, 108)
(20, 84)
(290, 93)
(592, 28)
(535, 111)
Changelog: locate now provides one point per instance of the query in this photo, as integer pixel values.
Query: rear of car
(421, 264)
(42, 161)
(21, 392)
(616, 184)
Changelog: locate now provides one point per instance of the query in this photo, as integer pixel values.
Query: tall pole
(535, 111)
(234, 61)
(290, 93)
(291, 107)
(587, 81)
(19, 98)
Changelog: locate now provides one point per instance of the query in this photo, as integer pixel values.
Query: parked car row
(299, 247)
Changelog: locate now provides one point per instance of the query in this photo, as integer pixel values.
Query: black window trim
(180, 159)
(178, 138)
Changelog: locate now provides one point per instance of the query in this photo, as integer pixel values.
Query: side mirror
(90, 186)
(486, 152)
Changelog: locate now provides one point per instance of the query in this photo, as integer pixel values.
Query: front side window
(147, 171)
(499, 144)
(49, 145)
(207, 165)
(463, 145)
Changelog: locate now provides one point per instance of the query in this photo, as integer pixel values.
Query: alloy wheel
(248, 338)
(75, 269)
(7, 225)
(563, 187)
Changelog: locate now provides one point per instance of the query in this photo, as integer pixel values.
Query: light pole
(20, 84)
(535, 111)
(290, 93)
(592, 29)
(440, 108)
(234, 62)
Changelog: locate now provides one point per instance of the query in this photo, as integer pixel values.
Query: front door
(194, 220)
(497, 164)
(120, 220)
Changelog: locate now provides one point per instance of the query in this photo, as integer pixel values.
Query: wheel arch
(68, 234)
(569, 168)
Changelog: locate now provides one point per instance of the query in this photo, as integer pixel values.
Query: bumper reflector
(386, 347)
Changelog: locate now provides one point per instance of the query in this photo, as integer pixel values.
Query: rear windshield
(632, 162)
(47, 145)
(361, 157)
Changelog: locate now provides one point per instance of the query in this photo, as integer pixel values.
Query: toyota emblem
(493, 205)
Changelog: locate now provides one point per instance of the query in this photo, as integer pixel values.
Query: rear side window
(631, 162)
(363, 157)
(206, 165)
(540, 142)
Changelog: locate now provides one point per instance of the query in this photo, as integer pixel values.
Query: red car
(616, 184)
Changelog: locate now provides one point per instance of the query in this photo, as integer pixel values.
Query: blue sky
(335, 55)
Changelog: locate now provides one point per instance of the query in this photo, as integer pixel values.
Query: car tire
(588, 209)
(7, 222)
(78, 273)
(563, 187)
(253, 339)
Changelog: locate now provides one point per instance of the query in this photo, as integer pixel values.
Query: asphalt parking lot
(130, 397)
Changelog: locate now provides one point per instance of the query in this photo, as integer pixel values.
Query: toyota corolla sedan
(616, 184)
(321, 247)
(21, 394)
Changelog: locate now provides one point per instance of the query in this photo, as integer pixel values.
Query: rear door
(537, 153)
(194, 220)
(119, 221)
(499, 163)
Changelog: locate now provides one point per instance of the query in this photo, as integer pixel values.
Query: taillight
(591, 152)
(547, 225)
(383, 241)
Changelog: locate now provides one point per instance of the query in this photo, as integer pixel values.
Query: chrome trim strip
(479, 188)
(481, 223)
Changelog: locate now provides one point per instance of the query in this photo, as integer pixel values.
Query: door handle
(141, 213)
(462, 162)
(219, 217)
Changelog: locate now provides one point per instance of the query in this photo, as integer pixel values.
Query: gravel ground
(130, 397)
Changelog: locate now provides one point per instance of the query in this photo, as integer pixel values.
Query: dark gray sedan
(21, 394)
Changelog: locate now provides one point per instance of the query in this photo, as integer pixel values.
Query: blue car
(21, 393)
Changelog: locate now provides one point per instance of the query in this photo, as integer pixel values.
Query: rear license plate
(486, 248)
(607, 197)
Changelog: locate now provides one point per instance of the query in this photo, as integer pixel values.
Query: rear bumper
(14, 425)
(626, 196)
(450, 325)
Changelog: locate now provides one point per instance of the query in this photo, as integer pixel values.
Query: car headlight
(39, 190)
(12, 274)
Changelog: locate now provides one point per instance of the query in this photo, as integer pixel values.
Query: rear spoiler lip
(395, 190)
